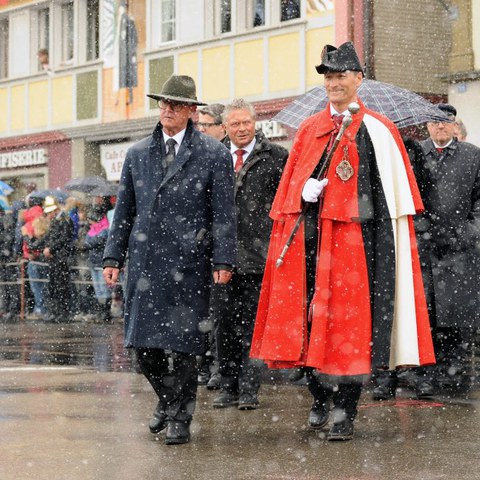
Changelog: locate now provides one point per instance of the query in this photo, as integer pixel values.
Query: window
(93, 19)
(168, 20)
(225, 16)
(40, 28)
(258, 10)
(163, 24)
(290, 9)
(3, 47)
(67, 33)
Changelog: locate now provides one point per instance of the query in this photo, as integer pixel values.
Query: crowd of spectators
(50, 260)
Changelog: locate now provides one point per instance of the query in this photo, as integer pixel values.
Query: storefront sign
(112, 157)
(271, 129)
(23, 158)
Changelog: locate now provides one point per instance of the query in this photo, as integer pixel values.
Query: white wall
(468, 107)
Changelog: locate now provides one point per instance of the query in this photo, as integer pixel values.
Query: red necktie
(337, 122)
(439, 150)
(239, 162)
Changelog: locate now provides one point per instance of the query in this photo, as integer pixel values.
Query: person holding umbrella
(175, 218)
(348, 295)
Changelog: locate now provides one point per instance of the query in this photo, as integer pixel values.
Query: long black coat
(448, 232)
(174, 227)
(255, 187)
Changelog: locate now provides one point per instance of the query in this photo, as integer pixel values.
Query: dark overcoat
(174, 227)
(255, 186)
(448, 232)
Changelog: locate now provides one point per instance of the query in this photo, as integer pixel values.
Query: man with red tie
(349, 294)
(258, 165)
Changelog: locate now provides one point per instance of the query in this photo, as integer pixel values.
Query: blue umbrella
(5, 188)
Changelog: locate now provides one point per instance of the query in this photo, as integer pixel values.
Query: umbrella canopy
(5, 188)
(108, 190)
(86, 184)
(60, 195)
(401, 106)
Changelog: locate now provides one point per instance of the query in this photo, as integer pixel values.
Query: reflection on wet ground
(73, 407)
(99, 346)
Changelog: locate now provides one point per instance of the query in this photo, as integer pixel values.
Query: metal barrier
(80, 277)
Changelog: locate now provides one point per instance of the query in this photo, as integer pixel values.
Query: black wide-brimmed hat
(178, 88)
(339, 59)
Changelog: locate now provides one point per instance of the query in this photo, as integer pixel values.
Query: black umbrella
(107, 190)
(86, 184)
(401, 106)
(60, 195)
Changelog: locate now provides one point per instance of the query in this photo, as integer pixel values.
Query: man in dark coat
(175, 217)
(348, 295)
(449, 242)
(258, 164)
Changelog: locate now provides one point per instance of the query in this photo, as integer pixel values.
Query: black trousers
(345, 396)
(235, 312)
(59, 289)
(173, 376)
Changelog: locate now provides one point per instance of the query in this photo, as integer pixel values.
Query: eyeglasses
(175, 106)
(207, 125)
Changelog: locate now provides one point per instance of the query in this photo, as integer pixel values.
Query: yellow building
(74, 73)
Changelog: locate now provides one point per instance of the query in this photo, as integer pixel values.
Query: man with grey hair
(258, 165)
(210, 121)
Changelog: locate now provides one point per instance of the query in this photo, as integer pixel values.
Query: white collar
(248, 148)
(445, 146)
(334, 112)
(177, 137)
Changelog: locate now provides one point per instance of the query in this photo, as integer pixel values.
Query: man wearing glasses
(210, 121)
(175, 221)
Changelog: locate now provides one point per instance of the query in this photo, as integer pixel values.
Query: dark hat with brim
(339, 59)
(448, 109)
(178, 88)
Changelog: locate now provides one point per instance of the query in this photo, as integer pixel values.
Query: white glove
(313, 189)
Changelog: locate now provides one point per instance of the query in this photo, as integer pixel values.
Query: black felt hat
(178, 88)
(448, 109)
(339, 59)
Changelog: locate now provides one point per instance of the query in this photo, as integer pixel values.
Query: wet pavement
(73, 407)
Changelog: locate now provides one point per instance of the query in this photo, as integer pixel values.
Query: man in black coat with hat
(448, 235)
(175, 219)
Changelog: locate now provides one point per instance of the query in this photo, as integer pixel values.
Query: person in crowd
(94, 244)
(33, 230)
(8, 274)
(175, 218)
(210, 121)
(348, 296)
(258, 165)
(460, 130)
(449, 246)
(58, 252)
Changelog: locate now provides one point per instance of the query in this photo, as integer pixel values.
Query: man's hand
(110, 274)
(313, 189)
(221, 276)
(47, 253)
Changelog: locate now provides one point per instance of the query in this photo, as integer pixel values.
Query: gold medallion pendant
(344, 168)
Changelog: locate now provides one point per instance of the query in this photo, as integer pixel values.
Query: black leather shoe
(177, 433)
(225, 399)
(215, 382)
(248, 401)
(341, 431)
(158, 421)
(318, 416)
(425, 389)
(382, 392)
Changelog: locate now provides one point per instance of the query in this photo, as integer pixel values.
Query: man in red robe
(349, 295)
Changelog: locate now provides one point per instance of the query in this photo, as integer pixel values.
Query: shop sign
(23, 158)
(271, 129)
(112, 157)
